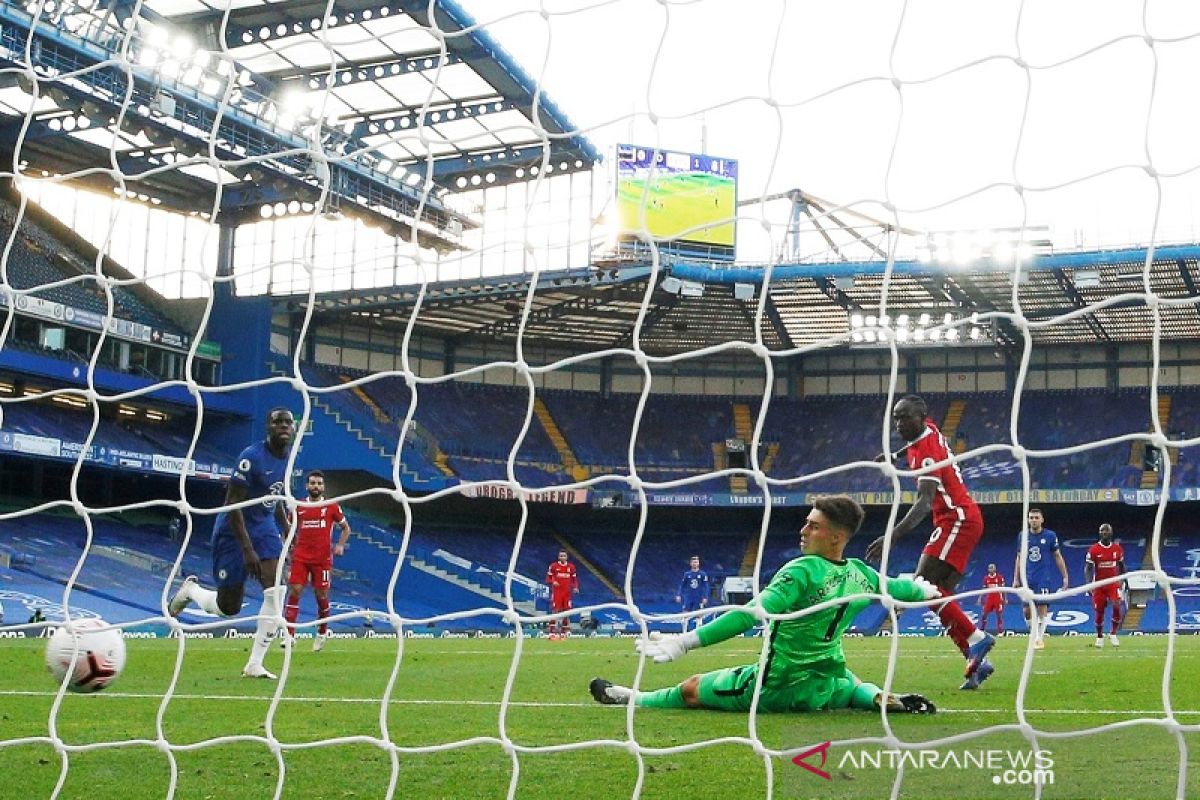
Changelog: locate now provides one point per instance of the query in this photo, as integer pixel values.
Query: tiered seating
(74, 424)
(819, 433)
(476, 424)
(470, 419)
(123, 576)
(32, 263)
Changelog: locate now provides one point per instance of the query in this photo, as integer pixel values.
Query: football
(101, 655)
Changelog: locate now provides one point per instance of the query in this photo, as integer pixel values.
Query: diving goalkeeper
(805, 668)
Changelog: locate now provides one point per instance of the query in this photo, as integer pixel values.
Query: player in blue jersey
(1033, 570)
(246, 541)
(693, 591)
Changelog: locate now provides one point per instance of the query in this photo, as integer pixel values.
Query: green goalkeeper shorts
(801, 689)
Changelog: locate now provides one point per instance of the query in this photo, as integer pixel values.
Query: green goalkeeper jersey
(801, 583)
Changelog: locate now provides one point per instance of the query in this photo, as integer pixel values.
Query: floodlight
(182, 47)
(157, 36)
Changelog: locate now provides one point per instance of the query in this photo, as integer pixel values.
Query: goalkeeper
(805, 668)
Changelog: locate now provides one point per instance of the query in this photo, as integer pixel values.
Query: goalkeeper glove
(930, 591)
(666, 648)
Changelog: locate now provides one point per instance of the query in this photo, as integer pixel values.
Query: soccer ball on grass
(101, 655)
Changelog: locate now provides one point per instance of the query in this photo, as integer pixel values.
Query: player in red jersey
(993, 602)
(1105, 559)
(312, 556)
(564, 582)
(958, 525)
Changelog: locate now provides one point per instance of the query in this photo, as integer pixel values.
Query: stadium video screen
(690, 198)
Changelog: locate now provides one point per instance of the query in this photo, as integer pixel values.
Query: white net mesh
(931, 117)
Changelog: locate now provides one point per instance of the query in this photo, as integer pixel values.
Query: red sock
(956, 623)
(291, 610)
(1099, 607)
(322, 613)
(1116, 618)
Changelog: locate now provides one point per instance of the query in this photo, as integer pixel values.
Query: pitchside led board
(690, 199)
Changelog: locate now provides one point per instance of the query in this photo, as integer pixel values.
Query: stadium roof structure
(390, 105)
(1068, 298)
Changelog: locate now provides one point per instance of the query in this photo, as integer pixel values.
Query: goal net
(583, 257)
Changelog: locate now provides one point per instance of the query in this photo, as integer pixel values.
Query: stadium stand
(38, 257)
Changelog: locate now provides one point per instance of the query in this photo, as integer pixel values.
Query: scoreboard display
(686, 197)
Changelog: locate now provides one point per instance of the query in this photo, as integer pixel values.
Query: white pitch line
(1155, 713)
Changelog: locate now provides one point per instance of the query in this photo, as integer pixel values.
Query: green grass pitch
(448, 692)
(678, 203)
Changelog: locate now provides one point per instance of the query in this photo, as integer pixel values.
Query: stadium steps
(442, 462)
(769, 459)
(1133, 617)
(743, 428)
(950, 423)
(380, 416)
(1134, 613)
(749, 557)
(1164, 417)
(415, 480)
(743, 421)
(436, 454)
(589, 565)
(577, 471)
(359, 433)
(496, 597)
(417, 563)
(356, 533)
(720, 457)
(1137, 454)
